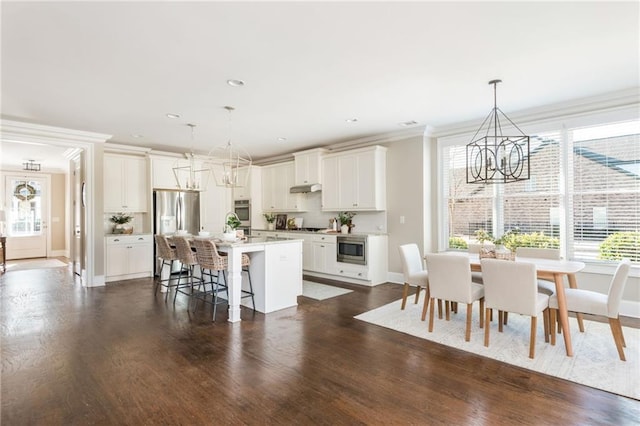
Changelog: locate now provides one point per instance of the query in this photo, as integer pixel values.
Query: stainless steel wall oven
(242, 208)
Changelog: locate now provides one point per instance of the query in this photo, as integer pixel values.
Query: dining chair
(450, 280)
(545, 285)
(512, 286)
(594, 303)
(167, 255)
(414, 275)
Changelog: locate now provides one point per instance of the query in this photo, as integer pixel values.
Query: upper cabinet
(355, 180)
(162, 174)
(243, 192)
(308, 166)
(125, 183)
(276, 181)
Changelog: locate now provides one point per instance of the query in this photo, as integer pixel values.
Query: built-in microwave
(242, 208)
(352, 249)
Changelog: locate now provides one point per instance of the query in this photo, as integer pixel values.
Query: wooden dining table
(554, 270)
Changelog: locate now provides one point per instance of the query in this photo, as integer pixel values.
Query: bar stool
(167, 255)
(212, 263)
(188, 259)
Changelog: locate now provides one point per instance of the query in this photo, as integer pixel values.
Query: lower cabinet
(128, 256)
(319, 257)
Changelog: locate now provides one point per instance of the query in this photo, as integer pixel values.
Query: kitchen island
(276, 273)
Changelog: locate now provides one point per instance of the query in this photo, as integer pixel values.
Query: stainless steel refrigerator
(173, 211)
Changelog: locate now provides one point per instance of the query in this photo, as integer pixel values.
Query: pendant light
(228, 162)
(191, 176)
(494, 157)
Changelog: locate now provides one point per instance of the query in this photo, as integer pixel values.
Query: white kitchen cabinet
(243, 192)
(215, 203)
(125, 183)
(323, 253)
(162, 176)
(276, 181)
(128, 256)
(354, 180)
(308, 166)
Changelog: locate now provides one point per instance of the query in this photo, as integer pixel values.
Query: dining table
(553, 270)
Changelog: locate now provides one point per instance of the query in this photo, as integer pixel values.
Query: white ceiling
(119, 67)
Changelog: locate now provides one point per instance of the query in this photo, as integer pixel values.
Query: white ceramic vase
(344, 229)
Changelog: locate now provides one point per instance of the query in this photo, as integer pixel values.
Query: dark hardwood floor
(120, 355)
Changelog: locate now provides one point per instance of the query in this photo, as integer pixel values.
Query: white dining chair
(544, 286)
(513, 287)
(594, 303)
(450, 280)
(414, 275)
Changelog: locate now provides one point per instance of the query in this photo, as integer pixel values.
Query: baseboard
(395, 277)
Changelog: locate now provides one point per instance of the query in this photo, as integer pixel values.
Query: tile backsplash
(314, 217)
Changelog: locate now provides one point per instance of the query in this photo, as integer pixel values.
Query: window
(584, 193)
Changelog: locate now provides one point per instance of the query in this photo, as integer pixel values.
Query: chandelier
(191, 176)
(230, 165)
(31, 166)
(496, 158)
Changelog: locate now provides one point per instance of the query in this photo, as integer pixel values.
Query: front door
(27, 212)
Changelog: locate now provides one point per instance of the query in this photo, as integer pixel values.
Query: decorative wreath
(24, 192)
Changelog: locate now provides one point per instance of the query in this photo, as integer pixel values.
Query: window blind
(604, 171)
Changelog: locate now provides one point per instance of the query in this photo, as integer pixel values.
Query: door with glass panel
(27, 212)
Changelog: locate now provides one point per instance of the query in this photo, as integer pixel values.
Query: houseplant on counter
(231, 223)
(271, 220)
(121, 221)
(345, 219)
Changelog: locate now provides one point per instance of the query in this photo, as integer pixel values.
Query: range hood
(312, 187)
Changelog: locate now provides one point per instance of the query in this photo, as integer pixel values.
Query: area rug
(595, 360)
(34, 264)
(319, 291)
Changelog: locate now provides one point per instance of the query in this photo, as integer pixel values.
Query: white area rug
(34, 264)
(321, 291)
(595, 360)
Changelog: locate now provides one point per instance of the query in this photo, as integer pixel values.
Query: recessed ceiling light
(171, 115)
(408, 123)
(235, 83)
(281, 139)
(137, 136)
(351, 120)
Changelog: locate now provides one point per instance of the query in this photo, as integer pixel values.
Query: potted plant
(121, 221)
(507, 244)
(271, 219)
(345, 219)
(482, 236)
(231, 223)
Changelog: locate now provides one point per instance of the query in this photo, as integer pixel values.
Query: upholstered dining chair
(545, 286)
(513, 287)
(450, 280)
(414, 275)
(594, 303)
